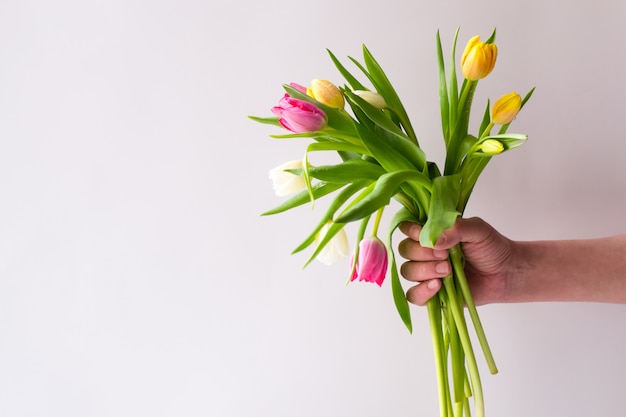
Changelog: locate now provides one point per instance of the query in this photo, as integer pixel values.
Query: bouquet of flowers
(379, 159)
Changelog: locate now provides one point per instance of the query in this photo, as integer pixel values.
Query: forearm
(569, 270)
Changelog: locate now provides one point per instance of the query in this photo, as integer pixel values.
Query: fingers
(421, 293)
(427, 265)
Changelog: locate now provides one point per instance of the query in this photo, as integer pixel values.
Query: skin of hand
(488, 257)
(500, 270)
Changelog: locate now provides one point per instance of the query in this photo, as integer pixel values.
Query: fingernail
(440, 254)
(432, 284)
(442, 268)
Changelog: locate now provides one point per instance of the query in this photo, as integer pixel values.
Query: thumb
(464, 230)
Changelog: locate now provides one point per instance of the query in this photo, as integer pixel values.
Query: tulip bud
(372, 98)
(371, 265)
(478, 59)
(326, 93)
(299, 116)
(506, 108)
(336, 249)
(491, 147)
(284, 182)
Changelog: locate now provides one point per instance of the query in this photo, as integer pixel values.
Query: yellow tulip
(491, 147)
(326, 93)
(478, 59)
(506, 108)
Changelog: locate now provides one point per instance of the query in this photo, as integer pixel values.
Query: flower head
(491, 147)
(299, 116)
(478, 59)
(371, 264)
(285, 182)
(326, 93)
(372, 98)
(336, 249)
(506, 108)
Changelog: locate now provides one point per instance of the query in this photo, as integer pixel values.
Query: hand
(488, 261)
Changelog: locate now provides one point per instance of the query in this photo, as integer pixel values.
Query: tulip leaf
(347, 171)
(444, 102)
(399, 296)
(302, 197)
(330, 233)
(329, 135)
(354, 83)
(486, 120)
(379, 145)
(384, 87)
(266, 120)
(379, 193)
(453, 82)
(442, 212)
(338, 201)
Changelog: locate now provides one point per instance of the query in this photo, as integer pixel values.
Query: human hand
(488, 261)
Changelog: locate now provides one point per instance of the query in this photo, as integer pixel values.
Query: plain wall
(137, 277)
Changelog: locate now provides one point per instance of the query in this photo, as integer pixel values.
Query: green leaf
(347, 171)
(379, 193)
(332, 231)
(399, 296)
(442, 212)
(387, 136)
(266, 120)
(303, 197)
(443, 91)
(354, 83)
(342, 197)
(385, 88)
(486, 120)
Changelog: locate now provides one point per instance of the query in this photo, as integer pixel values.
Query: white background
(137, 277)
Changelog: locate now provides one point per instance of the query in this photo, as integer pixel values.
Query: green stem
(459, 270)
(466, 343)
(434, 314)
(379, 215)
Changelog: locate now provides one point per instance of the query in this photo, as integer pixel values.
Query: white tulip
(372, 98)
(336, 249)
(286, 183)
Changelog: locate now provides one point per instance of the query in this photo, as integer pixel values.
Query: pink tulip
(371, 266)
(299, 116)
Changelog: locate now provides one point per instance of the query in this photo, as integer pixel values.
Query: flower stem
(379, 215)
(434, 315)
(457, 264)
(466, 343)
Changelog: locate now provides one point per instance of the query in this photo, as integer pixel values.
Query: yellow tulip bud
(372, 98)
(478, 59)
(506, 108)
(326, 93)
(491, 147)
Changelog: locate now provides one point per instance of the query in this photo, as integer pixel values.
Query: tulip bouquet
(379, 159)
